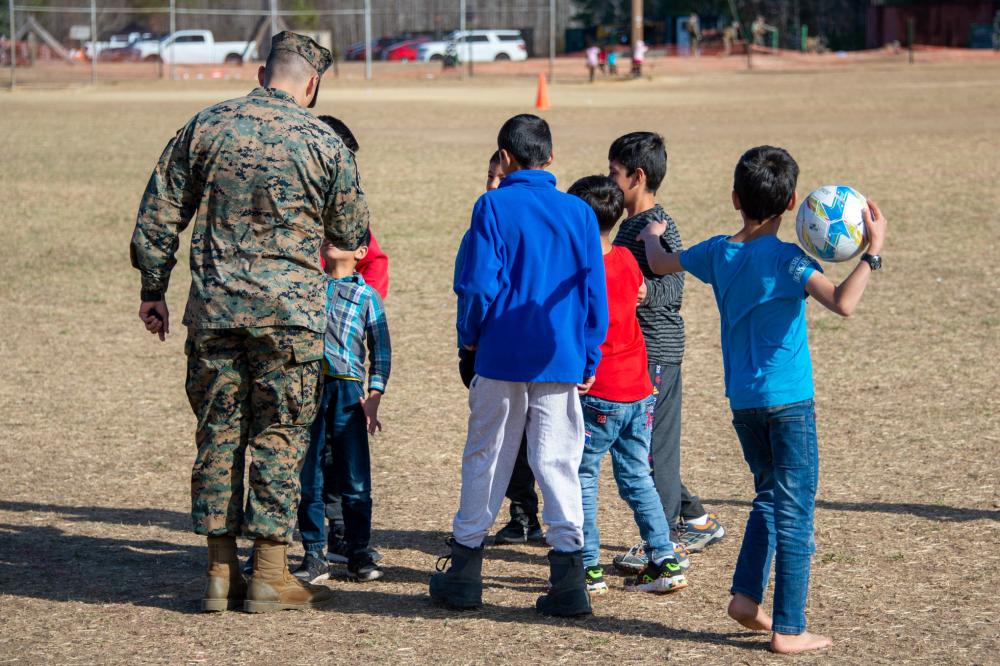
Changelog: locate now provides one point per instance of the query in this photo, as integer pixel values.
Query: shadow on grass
(420, 606)
(400, 574)
(174, 520)
(155, 573)
(948, 514)
(44, 562)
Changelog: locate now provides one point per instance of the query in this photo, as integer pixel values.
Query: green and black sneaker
(595, 580)
(662, 578)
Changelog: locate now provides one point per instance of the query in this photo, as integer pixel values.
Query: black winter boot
(461, 586)
(568, 595)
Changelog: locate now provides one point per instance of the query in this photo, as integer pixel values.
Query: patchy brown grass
(97, 562)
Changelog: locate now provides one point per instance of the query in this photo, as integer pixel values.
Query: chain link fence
(89, 41)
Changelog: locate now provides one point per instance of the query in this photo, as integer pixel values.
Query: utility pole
(552, 38)
(173, 31)
(637, 22)
(93, 41)
(368, 40)
(273, 6)
(13, 46)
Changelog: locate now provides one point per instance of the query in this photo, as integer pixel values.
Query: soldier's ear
(312, 90)
(260, 76)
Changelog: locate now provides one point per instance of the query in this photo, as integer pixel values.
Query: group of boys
(575, 343)
(570, 344)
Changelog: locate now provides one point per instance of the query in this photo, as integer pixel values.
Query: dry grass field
(97, 560)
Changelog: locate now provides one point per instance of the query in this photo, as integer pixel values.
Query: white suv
(477, 46)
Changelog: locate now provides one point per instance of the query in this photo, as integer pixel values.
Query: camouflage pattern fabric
(265, 180)
(254, 391)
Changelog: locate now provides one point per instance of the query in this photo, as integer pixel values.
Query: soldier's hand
(155, 317)
(370, 407)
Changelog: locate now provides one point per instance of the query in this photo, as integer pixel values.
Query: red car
(403, 51)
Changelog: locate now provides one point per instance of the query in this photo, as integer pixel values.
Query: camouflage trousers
(255, 393)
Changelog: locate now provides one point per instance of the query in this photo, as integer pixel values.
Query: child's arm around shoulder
(660, 261)
(843, 298)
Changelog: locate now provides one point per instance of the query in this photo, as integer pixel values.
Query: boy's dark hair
(642, 150)
(341, 130)
(528, 140)
(366, 239)
(495, 158)
(765, 181)
(603, 195)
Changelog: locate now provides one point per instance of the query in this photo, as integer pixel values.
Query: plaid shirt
(355, 316)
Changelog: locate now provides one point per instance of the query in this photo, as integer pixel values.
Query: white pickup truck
(196, 47)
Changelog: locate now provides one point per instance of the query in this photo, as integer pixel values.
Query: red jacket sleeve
(374, 268)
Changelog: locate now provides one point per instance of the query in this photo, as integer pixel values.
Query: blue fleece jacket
(530, 283)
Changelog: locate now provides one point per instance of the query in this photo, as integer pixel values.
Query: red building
(936, 23)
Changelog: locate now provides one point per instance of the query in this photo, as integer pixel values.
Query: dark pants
(521, 489)
(665, 447)
(339, 449)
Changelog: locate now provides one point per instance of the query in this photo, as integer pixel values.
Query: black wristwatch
(874, 261)
(150, 295)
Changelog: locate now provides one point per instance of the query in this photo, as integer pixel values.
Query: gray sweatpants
(500, 413)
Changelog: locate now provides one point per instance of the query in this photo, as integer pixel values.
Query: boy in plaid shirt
(355, 321)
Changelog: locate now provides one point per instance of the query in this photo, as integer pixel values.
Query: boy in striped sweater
(637, 162)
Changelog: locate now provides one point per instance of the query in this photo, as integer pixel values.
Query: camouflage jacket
(264, 180)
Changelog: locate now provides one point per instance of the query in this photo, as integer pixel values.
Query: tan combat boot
(226, 588)
(273, 588)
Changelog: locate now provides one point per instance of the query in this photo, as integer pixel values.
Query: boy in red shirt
(618, 411)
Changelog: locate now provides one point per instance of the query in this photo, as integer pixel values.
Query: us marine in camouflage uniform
(264, 180)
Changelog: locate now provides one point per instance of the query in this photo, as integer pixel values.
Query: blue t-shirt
(760, 290)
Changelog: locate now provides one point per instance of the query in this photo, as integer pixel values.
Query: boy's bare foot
(804, 642)
(748, 612)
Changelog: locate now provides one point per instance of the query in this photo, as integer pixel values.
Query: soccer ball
(829, 223)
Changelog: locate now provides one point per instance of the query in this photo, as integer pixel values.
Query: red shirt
(622, 375)
(374, 268)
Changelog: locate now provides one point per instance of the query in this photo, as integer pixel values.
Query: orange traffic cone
(542, 98)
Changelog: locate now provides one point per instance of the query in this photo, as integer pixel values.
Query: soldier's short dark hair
(642, 150)
(765, 181)
(286, 64)
(528, 139)
(341, 130)
(603, 195)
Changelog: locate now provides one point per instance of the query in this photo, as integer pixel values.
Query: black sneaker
(363, 568)
(595, 580)
(313, 568)
(336, 551)
(520, 529)
(662, 578)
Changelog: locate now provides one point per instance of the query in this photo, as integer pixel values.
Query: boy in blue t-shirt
(760, 285)
(533, 304)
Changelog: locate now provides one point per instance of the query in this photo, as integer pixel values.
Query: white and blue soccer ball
(829, 223)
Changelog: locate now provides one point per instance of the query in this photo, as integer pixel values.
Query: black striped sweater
(659, 315)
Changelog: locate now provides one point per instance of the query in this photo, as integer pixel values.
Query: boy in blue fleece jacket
(533, 304)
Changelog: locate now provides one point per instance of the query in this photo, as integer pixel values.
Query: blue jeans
(779, 445)
(338, 457)
(624, 429)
